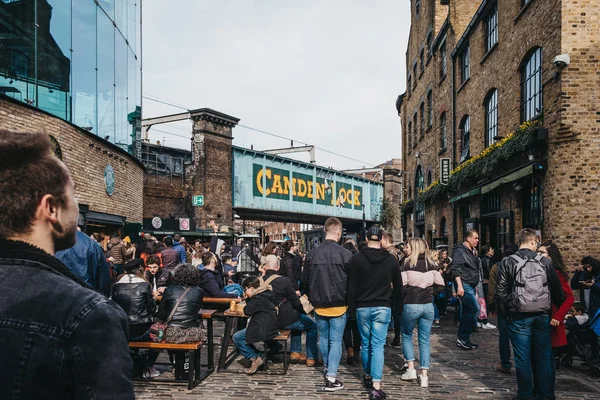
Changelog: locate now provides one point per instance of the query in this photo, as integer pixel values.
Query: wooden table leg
(211, 356)
(224, 344)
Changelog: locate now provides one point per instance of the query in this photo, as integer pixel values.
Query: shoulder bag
(157, 330)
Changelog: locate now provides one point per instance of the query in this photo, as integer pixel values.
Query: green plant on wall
(390, 217)
(483, 165)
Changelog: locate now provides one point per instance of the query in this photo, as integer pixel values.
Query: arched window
(422, 60)
(422, 109)
(429, 108)
(429, 178)
(443, 228)
(409, 135)
(417, 6)
(410, 192)
(415, 128)
(465, 134)
(429, 43)
(409, 85)
(531, 85)
(491, 117)
(415, 75)
(419, 186)
(443, 131)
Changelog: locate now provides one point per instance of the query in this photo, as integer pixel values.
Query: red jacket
(558, 334)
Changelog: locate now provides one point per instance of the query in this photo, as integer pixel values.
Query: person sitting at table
(262, 325)
(158, 277)
(134, 294)
(184, 326)
(291, 314)
(211, 280)
(229, 267)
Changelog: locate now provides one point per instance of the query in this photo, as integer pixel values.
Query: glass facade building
(77, 59)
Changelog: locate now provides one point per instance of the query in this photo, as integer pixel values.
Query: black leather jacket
(134, 295)
(58, 331)
(325, 275)
(186, 315)
(287, 269)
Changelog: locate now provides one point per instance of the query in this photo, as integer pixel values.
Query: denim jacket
(59, 338)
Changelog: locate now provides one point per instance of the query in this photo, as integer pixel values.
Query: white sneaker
(409, 375)
(479, 325)
(151, 373)
(488, 326)
(424, 381)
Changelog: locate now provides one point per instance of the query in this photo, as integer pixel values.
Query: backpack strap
(271, 279)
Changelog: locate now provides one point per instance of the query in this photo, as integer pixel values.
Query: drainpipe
(454, 211)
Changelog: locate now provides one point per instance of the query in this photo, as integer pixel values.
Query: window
(429, 43)
(415, 75)
(443, 131)
(465, 134)
(410, 192)
(491, 117)
(419, 186)
(415, 129)
(429, 108)
(531, 86)
(525, 2)
(409, 134)
(429, 178)
(417, 6)
(465, 58)
(422, 60)
(491, 203)
(443, 59)
(491, 28)
(422, 109)
(409, 86)
(444, 227)
(532, 206)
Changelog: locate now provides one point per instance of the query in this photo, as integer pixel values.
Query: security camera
(561, 61)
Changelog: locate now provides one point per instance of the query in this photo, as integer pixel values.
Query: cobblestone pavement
(454, 374)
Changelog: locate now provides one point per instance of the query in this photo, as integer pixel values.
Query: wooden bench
(195, 376)
(284, 335)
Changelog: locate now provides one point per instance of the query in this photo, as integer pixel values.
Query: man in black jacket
(325, 276)
(55, 327)
(211, 281)
(466, 268)
(288, 268)
(529, 317)
(291, 314)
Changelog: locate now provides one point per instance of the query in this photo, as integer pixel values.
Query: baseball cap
(374, 233)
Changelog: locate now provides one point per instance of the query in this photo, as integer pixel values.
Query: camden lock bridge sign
(279, 185)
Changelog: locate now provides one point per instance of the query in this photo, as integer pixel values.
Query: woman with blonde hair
(421, 282)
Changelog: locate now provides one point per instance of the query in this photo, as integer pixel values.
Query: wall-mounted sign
(156, 222)
(109, 179)
(56, 147)
(184, 224)
(444, 170)
(198, 201)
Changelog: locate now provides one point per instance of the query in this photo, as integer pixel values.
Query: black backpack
(531, 293)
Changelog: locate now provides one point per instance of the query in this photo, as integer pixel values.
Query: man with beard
(60, 338)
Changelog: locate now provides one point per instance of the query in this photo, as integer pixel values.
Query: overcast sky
(324, 72)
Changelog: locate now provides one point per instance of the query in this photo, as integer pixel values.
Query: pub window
(491, 29)
(444, 228)
(531, 85)
(532, 206)
(419, 186)
(491, 117)
(465, 134)
(429, 107)
(491, 203)
(465, 71)
(443, 131)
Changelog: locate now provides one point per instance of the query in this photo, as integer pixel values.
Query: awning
(518, 174)
(470, 193)
(93, 216)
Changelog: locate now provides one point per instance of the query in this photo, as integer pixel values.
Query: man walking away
(170, 256)
(54, 326)
(372, 273)
(325, 275)
(527, 287)
(179, 247)
(466, 268)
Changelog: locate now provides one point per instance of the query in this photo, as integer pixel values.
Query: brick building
(108, 180)
(506, 90)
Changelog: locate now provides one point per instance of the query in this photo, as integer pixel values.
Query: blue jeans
(331, 332)
(504, 341)
(373, 324)
(304, 323)
(530, 337)
(421, 315)
(239, 338)
(469, 313)
(119, 268)
(436, 312)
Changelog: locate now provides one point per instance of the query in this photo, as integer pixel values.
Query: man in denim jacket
(60, 338)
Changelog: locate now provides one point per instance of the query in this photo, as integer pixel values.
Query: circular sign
(56, 147)
(109, 179)
(156, 222)
(185, 224)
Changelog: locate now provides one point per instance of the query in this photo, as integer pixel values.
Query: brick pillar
(392, 191)
(211, 171)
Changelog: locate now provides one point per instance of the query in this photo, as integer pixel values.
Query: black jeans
(141, 333)
(352, 336)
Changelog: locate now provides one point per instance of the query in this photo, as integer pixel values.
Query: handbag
(157, 329)
(308, 308)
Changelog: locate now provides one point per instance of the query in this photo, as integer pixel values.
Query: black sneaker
(395, 342)
(473, 345)
(377, 395)
(464, 345)
(273, 349)
(367, 382)
(333, 386)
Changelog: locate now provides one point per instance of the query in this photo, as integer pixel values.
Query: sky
(322, 72)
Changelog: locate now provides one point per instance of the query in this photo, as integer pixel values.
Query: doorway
(497, 230)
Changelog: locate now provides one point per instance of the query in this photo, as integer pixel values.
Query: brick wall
(86, 155)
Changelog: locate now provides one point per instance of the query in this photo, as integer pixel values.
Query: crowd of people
(67, 336)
